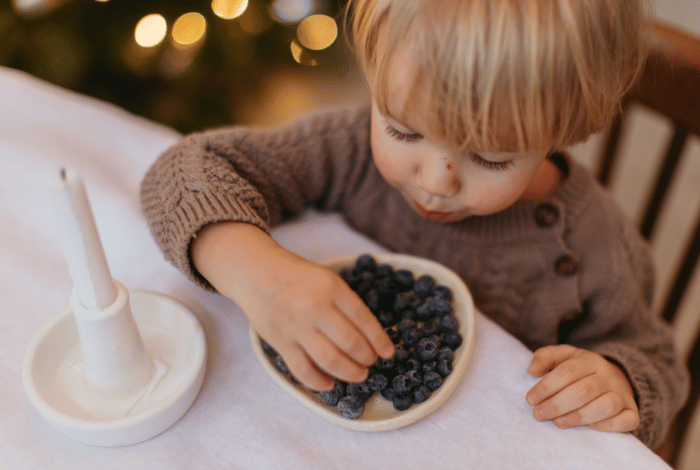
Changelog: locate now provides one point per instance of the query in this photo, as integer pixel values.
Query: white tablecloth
(241, 418)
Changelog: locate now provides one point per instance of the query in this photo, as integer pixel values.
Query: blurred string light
(229, 9)
(187, 38)
(317, 32)
(302, 55)
(189, 29)
(150, 30)
(291, 11)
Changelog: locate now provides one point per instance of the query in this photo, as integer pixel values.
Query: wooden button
(546, 215)
(566, 265)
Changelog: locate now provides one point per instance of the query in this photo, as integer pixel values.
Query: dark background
(88, 46)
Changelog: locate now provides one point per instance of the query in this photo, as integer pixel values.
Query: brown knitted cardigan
(569, 269)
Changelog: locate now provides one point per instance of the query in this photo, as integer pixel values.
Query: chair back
(669, 85)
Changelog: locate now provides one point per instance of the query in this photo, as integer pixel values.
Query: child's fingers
(548, 357)
(325, 353)
(573, 398)
(626, 421)
(303, 369)
(563, 375)
(598, 410)
(345, 336)
(361, 316)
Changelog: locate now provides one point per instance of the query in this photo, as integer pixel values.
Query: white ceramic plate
(379, 413)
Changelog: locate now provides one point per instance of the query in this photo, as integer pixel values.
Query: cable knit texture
(569, 269)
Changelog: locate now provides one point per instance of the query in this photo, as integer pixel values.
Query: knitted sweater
(569, 269)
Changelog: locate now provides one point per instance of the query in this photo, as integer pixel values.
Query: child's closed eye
(402, 136)
(491, 165)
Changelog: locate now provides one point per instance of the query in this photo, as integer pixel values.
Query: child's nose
(438, 178)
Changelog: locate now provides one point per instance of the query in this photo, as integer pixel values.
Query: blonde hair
(554, 71)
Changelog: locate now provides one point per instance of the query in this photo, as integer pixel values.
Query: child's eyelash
(400, 136)
(489, 165)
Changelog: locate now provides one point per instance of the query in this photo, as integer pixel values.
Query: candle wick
(63, 174)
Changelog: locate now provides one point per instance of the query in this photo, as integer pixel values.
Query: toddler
(460, 159)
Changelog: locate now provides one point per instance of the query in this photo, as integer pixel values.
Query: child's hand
(581, 387)
(306, 312)
(316, 323)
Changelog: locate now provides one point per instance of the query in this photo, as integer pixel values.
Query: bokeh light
(291, 11)
(229, 9)
(150, 30)
(301, 55)
(317, 32)
(189, 28)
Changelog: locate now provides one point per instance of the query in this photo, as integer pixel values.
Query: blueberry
(428, 366)
(402, 402)
(445, 353)
(281, 366)
(433, 380)
(332, 397)
(448, 323)
(424, 286)
(413, 364)
(366, 263)
(402, 301)
(440, 306)
(411, 336)
(384, 364)
(404, 279)
(444, 367)
(377, 381)
(401, 354)
(405, 324)
(361, 389)
(372, 298)
(268, 349)
(402, 384)
(384, 270)
(452, 339)
(388, 393)
(420, 394)
(437, 339)
(429, 329)
(442, 292)
(387, 286)
(349, 275)
(351, 406)
(415, 376)
(424, 312)
(426, 349)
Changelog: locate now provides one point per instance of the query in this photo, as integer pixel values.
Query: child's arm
(305, 311)
(581, 387)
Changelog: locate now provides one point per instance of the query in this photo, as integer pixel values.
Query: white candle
(92, 280)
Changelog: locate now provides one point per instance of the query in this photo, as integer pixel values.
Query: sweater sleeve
(635, 338)
(254, 175)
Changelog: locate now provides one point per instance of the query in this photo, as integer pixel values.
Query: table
(241, 418)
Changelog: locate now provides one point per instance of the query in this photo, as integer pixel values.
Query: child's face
(437, 182)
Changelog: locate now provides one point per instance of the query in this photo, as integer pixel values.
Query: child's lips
(433, 215)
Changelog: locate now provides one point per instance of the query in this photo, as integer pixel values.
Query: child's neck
(545, 182)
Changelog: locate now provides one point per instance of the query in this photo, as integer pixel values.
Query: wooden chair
(670, 85)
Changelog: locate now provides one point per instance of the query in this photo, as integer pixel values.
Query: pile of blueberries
(418, 317)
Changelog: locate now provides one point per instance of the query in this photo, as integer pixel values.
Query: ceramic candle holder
(118, 376)
(116, 367)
